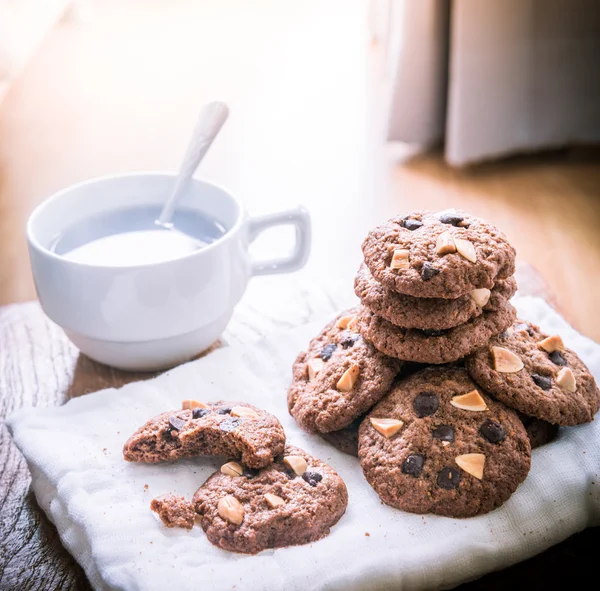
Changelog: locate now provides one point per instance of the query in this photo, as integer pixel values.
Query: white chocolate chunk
(296, 463)
(473, 464)
(445, 244)
(481, 296)
(566, 379)
(551, 344)
(466, 249)
(387, 427)
(470, 401)
(348, 379)
(505, 361)
(400, 259)
(231, 510)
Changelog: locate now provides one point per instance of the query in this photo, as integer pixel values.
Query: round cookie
(531, 372)
(438, 255)
(539, 432)
(433, 346)
(427, 448)
(429, 313)
(346, 439)
(234, 429)
(338, 378)
(275, 507)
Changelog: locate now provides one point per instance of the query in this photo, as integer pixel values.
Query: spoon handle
(211, 120)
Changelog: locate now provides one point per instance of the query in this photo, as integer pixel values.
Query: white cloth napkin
(100, 504)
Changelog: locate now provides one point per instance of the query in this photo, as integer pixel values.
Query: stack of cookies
(435, 287)
(432, 381)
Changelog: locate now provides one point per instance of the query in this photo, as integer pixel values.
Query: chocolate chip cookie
(537, 375)
(233, 429)
(433, 346)
(296, 500)
(429, 313)
(438, 255)
(436, 444)
(539, 432)
(346, 439)
(338, 378)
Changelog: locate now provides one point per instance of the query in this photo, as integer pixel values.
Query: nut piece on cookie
(344, 321)
(314, 367)
(348, 379)
(231, 510)
(296, 463)
(244, 411)
(481, 296)
(551, 344)
(566, 380)
(445, 244)
(174, 511)
(387, 427)
(470, 401)
(505, 361)
(472, 463)
(232, 469)
(191, 404)
(465, 249)
(274, 501)
(400, 259)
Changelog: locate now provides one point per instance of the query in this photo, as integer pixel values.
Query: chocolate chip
(451, 218)
(224, 411)
(544, 382)
(426, 404)
(432, 332)
(493, 431)
(557, 358)
(444, 432)
(525, 327)
(327, 351)
(250, 472)
(229, 424)
(413, 465)
(411, 225)
(349, 340)
(312, 477)
(198, 413)
(428, 271)
(448, 478)
(176, 423)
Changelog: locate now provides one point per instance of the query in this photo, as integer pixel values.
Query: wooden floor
(121, 90)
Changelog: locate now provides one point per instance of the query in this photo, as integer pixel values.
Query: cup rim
(39, 211)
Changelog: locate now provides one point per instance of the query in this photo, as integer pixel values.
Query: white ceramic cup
(152, 316)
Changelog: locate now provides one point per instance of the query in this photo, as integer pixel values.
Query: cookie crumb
(145, 487)
(367, 534)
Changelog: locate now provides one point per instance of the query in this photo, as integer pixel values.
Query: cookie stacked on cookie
(454, 439)
(434, 287)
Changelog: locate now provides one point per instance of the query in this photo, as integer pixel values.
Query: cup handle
(300, 219)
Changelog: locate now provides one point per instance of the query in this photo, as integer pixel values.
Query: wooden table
(34, 352)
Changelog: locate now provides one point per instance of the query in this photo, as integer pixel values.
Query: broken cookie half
(233, 429)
